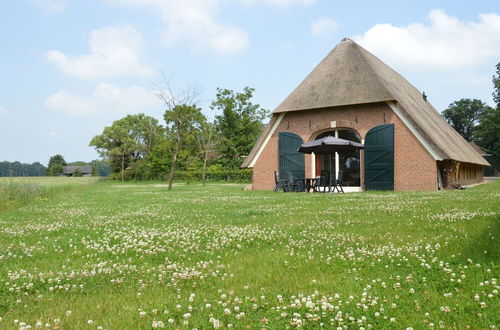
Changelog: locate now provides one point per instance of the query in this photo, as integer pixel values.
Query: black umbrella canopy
(328, 145)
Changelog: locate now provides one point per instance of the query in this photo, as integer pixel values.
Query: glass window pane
(349, 135)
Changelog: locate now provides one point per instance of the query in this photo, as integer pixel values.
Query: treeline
(55, 168)
(22, 169)
(185, 145)
(478, 122)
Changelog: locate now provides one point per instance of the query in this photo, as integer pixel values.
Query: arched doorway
(346, 162)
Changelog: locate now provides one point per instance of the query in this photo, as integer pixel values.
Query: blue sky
(70, 67)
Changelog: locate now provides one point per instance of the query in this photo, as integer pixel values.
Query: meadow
(136, 256)
(16, 191)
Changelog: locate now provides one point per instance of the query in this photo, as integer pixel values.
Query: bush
(213, 175)
(244, 175)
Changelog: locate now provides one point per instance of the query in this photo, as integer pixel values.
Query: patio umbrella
(329, 145)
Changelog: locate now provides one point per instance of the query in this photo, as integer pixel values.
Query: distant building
(70, 170)
(353, 95)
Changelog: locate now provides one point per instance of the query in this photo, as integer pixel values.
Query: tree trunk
(172, 169)
(204, 170)
(123, 163)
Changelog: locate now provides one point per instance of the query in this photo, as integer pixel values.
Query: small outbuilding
(80, 170)
(353, 95)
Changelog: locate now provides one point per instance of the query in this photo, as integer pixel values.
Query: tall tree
(496, 86)
(239, 124)
(463, 116)
(127, 140)
(487, 134)
(207, 141)
(182, 118)
(182, 122)
(55, 166)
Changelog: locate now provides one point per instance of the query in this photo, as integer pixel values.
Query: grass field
(17, 191)
(128, 256)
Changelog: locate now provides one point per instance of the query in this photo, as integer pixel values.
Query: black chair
(337, 184)
(291, 183)
(279, 183)
(323, 181)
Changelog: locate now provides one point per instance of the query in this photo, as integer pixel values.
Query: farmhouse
(353, 95)
(83, 170)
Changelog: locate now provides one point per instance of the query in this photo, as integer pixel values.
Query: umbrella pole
(331, 172)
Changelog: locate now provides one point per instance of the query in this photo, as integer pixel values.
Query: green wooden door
(379, 158)
(290, 159)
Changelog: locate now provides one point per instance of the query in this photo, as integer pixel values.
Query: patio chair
(337, 184)
(279, 183)
(323, 181)
(291, 183)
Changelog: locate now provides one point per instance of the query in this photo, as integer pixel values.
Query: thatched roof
(350, 75)
(72, 169)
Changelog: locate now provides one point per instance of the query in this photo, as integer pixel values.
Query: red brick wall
(414, 168)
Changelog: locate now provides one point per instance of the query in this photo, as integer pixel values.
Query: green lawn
(128, 256)
(17, 191)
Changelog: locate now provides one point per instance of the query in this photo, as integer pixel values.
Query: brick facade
(414, 168)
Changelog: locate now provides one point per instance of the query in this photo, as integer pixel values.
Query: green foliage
(182, 124)
(100, 167)
(242, 175)
(137, 147)
(487, 133)
(55, 166)
(19, 169)
(127, 140)
(463, 116)
(77, 173)
(496, 86)
(239, 124)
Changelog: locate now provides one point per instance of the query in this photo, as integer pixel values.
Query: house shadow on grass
(485, 247)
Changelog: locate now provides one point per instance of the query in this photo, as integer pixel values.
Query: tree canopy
(239, 124)
(463, 115)
(21, 169)
(55, 166)
(139, 147)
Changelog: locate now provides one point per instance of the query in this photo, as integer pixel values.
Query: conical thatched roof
(349, 75)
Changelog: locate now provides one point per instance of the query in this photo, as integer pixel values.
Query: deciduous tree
(463, 116)
(55, 166)
(239, 124)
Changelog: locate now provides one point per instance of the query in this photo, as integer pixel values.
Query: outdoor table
(308, 184)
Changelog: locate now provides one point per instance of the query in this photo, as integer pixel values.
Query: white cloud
(105, 99)
(3, 111)
(324, 26)
(196, 22)
(53, 134)
(51, 6)
(444, 43)
(115, 52)
(282, 3)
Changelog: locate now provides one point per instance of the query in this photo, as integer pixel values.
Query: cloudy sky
(70, 67)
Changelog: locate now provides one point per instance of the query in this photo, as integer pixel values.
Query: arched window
(345, 164)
